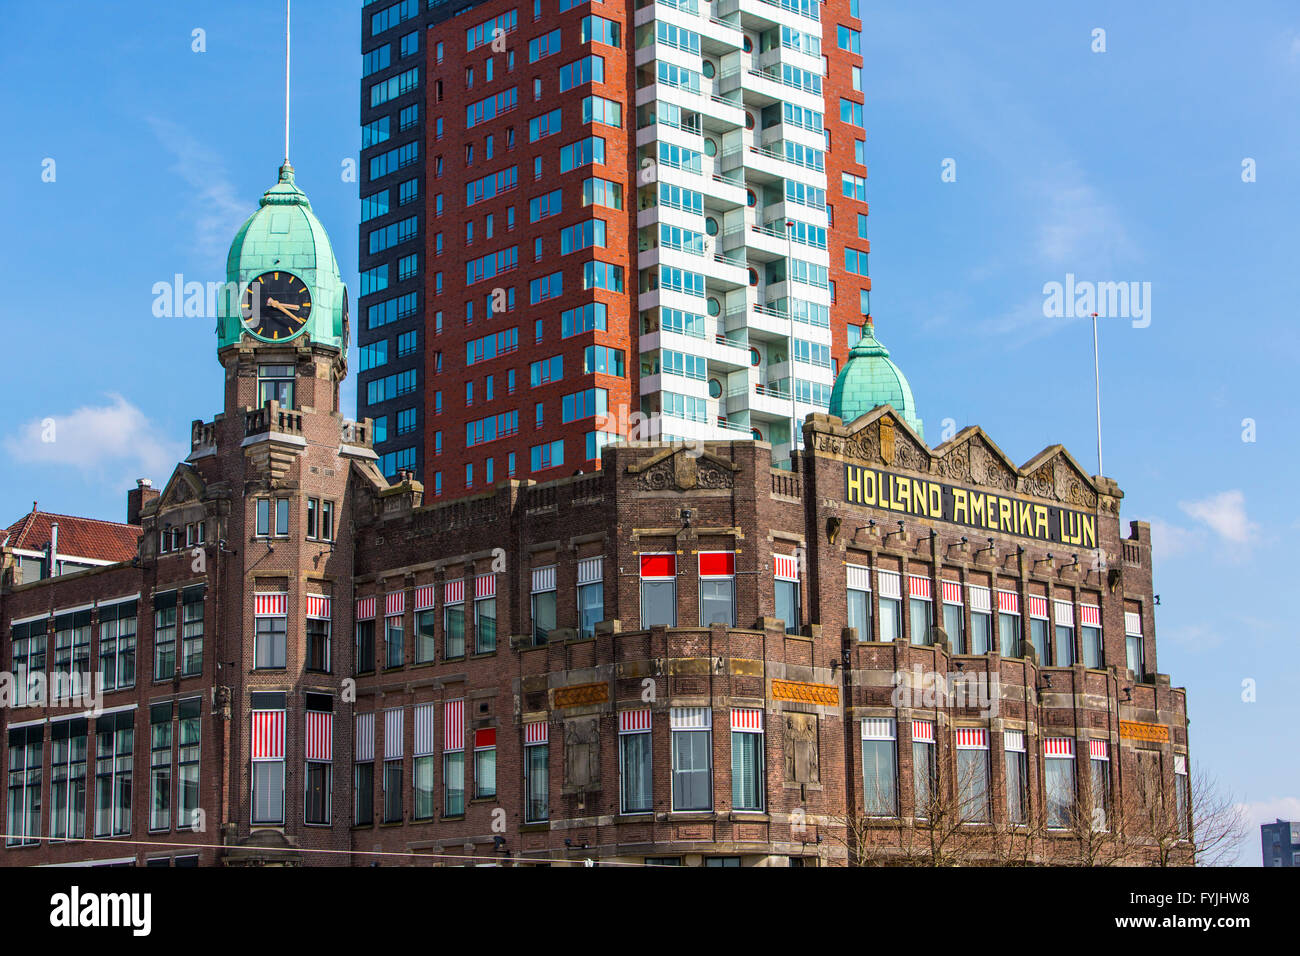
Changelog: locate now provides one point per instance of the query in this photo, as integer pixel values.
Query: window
(426, 648)
(597, 109)
(374, 206)
(271, 628)
(543, 46)
(160, 766)
(116, 644)
(584, 152)
(584, 318)
(485, 32)
(549, 204)
(363, 770)
(547, 287)
(1058, 780)
(1064, 634)
(422, 785)
(543, 603)
(583, 235)
(1038, 625)
(394, 650)
(268, 758)
(393, 728)
(537, 803)
(490, 107)
(1090, 635)
(717, 588)
(859, 600)
(952, 616)
(599, 30)
(1133, 644)
(67, 781)
(585, 404)
(485, 763)
(658, 590)
(973, 774)
(548, 124)
(491, 185)
(114, 760)
(602, 192)
(275, 384)
(920, 608)
(1017, 776)
(26, 761)
(365, 646)
(485, 612)
(635, 762)
(453, 758)
(1099, 765)
(747, 788)
(187, 779)
(164, 635)
(547, 455)
(586, 70)
(453, 624)
(786, 582)
(1009, 636)
(924, 769)
(395, 86)
(692, 755)
(192, 630)
(879, 767)
(376, 60)
(1182, 796)
(591, 595)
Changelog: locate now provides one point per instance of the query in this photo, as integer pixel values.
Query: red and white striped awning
(318, 607)
(364, 738)
(634, 721)
(1008, 602)
(923, 730)
(320, 735)
(425, 597)
(485, 586)
(268, 735)
(918, 586)
(891, 584)
(366, 609)
(426, 742)
(1037, 606)
(786, 567)
(972, 738)
(453, 592)
(717, 564)
(485, 738)
(537, 732)
(1099, 749)
(1090, 615)
(394, 603)
(951, 592)
(271, 604)
(658, 565)
(1058, 746)
(877, 728)
(980, 598)
(453, 725)
(747, 720)
(394, 724)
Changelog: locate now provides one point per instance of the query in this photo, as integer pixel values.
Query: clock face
(276, 305)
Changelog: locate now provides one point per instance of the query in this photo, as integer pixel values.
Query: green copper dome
(869, 379)
(284, 235)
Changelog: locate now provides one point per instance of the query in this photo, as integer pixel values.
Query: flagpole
(1096, 371)
(286, 81)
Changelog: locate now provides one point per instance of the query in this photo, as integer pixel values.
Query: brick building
(575, 215)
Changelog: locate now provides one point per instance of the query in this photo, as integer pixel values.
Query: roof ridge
(56, 514)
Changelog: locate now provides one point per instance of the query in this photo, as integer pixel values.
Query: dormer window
(275, 384)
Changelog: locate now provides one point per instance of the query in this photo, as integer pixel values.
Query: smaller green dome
(869, 379)
(285, 234)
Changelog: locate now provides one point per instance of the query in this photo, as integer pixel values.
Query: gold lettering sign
(827, 694)
(984, 511)
(1155, 733)
(581, 694)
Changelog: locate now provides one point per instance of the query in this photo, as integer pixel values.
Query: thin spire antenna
(286, 81)
(1096, 371)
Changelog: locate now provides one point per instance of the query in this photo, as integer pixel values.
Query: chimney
(52, 561)
(139, 496)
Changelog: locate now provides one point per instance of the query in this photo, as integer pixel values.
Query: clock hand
(282, 305)
(277, 305)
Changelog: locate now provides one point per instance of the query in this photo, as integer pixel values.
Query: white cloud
(1170, 540)
(215, 208)
(96, 438)
(1079, 230)
(1225, 515)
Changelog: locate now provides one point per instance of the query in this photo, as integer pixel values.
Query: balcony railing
(272, 418)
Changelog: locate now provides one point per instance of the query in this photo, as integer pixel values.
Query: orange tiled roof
(78, 537)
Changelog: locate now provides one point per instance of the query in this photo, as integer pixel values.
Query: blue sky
(1122, 165)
